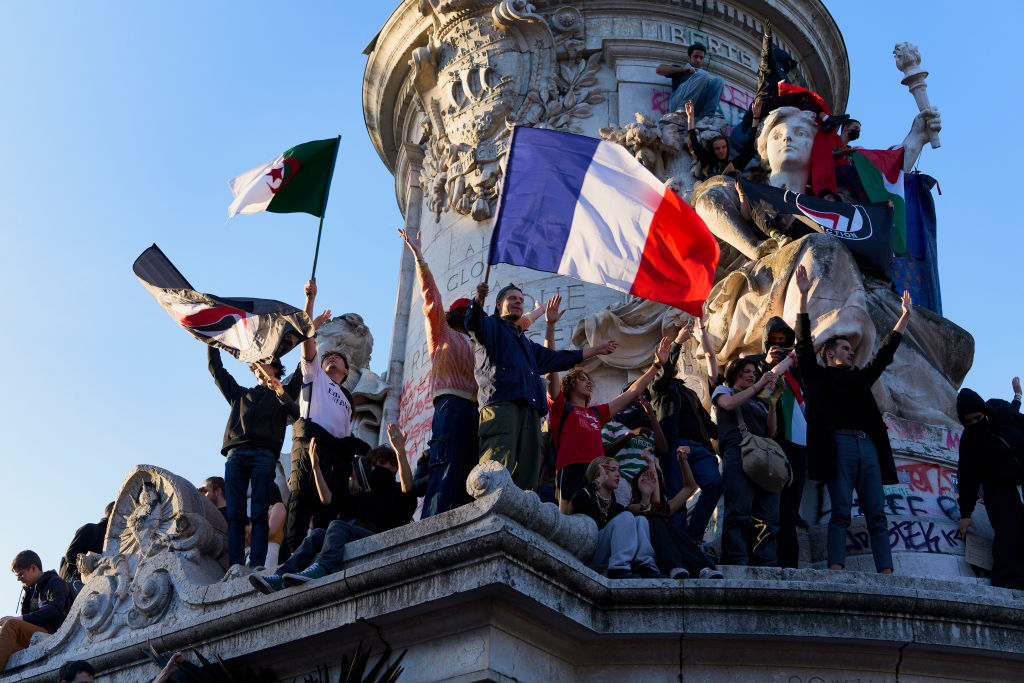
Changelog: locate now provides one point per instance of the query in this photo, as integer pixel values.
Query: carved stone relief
(482, 73)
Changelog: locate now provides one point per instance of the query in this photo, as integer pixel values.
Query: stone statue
(921, 384)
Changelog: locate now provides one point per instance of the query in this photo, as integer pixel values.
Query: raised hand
(607, 348)
(413, 242)
(685, 332)
(803, 281)
(551, 313)
(647, 483)
(310, 289)
(274, 384)
(1015, 382)
(321, 319)
(682, 452)
(908, 303)
(755, 108)
(481, 292)
(314, 457)
(397, 438)
(664, 349)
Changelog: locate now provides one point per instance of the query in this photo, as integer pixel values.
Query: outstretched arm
(908, 312)
(670, 69)
(551, 317)
(925, 123)
(309, 345)
(637, 389)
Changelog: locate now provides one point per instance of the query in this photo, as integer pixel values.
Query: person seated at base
(44, 605)
(623, 539)
(385, 505)
(678, 555)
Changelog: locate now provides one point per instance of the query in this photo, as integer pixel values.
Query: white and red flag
(251, 330)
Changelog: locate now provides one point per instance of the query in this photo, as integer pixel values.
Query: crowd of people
(649, 466)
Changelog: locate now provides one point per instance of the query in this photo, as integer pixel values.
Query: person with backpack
(575, 425)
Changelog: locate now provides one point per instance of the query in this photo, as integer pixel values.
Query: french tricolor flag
(585, 208)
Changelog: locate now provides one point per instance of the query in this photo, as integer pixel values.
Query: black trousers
(789, 505)
(1006, 513)
(673, 548)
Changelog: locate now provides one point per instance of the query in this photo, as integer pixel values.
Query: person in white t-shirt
(325, 417)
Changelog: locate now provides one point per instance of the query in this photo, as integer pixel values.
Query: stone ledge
(429, 584)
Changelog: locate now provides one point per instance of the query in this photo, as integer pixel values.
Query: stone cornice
(805, 26)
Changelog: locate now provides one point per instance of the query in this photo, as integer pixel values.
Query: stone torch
(908, 60)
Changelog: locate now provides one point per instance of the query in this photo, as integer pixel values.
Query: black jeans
(674, 548)
(325, 547)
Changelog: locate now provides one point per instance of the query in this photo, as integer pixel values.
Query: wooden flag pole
(487, 273)
(323, 209)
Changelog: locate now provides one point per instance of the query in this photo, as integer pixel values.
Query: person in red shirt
(575, 425)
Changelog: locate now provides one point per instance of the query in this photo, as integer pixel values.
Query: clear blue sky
(122, 122)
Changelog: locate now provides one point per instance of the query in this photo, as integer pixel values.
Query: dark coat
(258, 418)
(764, 364)
(670, 397)
(89, 537)
(991, 451)
(827, 389)
(46, 602)
(510, 367)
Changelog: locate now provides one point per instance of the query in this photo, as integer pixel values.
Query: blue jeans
(704, 465)
(325, 547)
(454, 451)
(245, 464)
(857, 467)
(704, 89)
(745, 501)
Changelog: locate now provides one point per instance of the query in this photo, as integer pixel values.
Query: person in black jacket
(44, 605)
(847, 442)
(992, 458)
(687, 424)
(252, 444)
(383, 505)
(717, 161)
(88, 538)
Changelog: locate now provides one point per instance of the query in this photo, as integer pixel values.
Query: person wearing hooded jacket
(44, 605)
(779, 340)
(992, 458)
(847, 441)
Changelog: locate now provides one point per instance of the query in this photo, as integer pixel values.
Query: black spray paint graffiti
(911, 535)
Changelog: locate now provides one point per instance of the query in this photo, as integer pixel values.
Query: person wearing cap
(453, 436)
(510, 370)
(252, 444)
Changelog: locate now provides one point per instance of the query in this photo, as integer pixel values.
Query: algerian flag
(881, 174)
(296, 181)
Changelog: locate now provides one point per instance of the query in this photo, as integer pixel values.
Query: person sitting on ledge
(385, 505)
(623, 539)
(44, 605)
(692, 83)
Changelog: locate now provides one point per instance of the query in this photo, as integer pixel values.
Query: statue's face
(789, 144)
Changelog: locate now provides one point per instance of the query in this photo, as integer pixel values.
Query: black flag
(865, 229)
(251, 330)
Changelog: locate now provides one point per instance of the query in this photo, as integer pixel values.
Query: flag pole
(323, 209)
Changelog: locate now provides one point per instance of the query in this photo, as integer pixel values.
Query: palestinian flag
(792, 401)
(251, 330)
(881, 174)
(296, 181)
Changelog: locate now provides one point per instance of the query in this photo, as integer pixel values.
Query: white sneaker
(709, 573)
(679, 573)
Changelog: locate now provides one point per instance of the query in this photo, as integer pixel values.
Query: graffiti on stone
(911, 534)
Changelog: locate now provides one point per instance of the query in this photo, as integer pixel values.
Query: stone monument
(445, 81)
